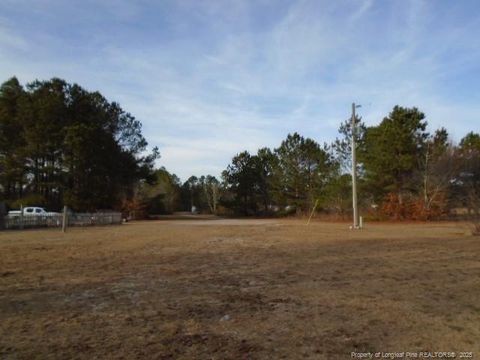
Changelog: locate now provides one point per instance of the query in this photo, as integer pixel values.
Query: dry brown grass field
(238, 289)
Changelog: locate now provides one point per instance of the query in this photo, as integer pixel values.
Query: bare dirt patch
(238, 289)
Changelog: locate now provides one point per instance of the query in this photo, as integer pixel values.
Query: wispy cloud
(209, 79)
(9, 40)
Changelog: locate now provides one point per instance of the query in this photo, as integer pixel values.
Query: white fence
(86, 219)
(56, 220)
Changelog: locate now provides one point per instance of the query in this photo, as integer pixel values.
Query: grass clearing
(236, 289)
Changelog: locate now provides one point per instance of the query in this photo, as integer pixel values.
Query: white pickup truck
(32, 211)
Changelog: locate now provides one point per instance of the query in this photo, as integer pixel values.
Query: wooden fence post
(65, 219)
(21, 216)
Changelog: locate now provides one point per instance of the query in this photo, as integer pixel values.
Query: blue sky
(209, 79)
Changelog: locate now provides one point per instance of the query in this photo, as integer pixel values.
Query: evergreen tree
(13, 171)
(60, 144)
(306, 168)
(391, 151)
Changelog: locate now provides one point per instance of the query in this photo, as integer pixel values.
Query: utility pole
(356, 218)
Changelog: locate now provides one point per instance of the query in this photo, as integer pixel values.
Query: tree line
(61, 144)
(405, 172)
